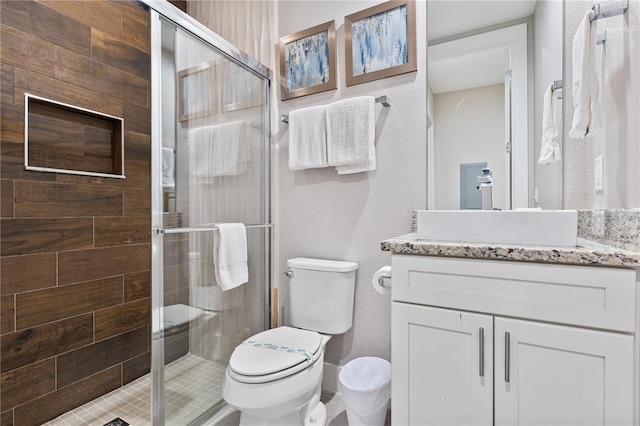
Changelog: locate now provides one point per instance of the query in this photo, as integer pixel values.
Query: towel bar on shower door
(209, 228)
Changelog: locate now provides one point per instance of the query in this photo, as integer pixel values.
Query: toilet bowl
(275, 377)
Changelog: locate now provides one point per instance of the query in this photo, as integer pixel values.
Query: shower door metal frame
(164, 10)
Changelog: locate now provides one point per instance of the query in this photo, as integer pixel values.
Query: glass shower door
(214, 169)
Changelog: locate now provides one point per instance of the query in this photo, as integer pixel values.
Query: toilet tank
(321, 294)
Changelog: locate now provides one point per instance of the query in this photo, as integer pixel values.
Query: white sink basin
(518, 227)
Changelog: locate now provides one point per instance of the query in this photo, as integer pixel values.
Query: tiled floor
(192, 386)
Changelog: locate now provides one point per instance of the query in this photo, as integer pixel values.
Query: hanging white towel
(351, 135)
(168, 168)
(586, 105)
(549, 147)
(230, 255)
(219, 150)
(307, 138)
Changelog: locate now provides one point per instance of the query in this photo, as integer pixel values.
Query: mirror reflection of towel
(219, 150)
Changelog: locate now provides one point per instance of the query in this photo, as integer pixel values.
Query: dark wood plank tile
(135, 30)
(115, 52)
(122, 230)
(50, 406)
(6, 419)
(137, 146)
(138, 118)
(6, 80)
(7, 314)
(138, 173)
(122, 318)
(82, 71)
(85, 265)
(31, 82)
(34, 344)
(136, 367)
(6, 198)
(26, 273)
(34, 18)
(137, 201)
(104, 15)
(137, 286)
(30, 236)
(39, 199)
(12, 120)
(81, 363)
(43, 306)
(22, 49)
(24, 384)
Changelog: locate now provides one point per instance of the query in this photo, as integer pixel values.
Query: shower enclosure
(210, 165)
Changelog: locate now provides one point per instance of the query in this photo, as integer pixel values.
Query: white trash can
(365, 384)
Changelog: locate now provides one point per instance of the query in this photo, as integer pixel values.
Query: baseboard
(330, 379)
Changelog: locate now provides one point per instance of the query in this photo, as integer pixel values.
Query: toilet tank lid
(322, 264)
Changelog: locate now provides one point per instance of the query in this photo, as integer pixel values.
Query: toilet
(274, 377)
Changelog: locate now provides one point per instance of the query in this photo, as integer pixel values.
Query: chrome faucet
(486, 187)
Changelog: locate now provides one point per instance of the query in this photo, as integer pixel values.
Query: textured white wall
(618, 64)
(468, 128)
(548, 59)
(321, 214)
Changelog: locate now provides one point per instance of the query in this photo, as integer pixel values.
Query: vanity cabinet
(501, 342)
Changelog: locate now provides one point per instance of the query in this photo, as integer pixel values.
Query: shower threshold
(192, 386)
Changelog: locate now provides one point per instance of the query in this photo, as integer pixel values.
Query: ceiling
(448, 18)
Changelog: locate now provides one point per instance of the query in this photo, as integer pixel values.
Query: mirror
(489, 66)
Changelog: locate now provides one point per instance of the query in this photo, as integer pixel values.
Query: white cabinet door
(442, 368)
(557, 375)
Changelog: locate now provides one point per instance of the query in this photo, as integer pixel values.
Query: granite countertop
(585, 253)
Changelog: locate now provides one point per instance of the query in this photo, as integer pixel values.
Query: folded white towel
(168, 168)
(219, 150)
(351, 135)
(307, 138)
(586, 106)
(230, 255)
(549, 147)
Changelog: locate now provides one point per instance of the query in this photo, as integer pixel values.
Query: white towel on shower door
(230, 255)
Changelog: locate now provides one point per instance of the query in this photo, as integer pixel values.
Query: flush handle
(288, 274)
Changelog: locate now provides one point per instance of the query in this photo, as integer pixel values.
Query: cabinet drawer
(578, 295)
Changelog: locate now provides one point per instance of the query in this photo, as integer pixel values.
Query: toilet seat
(274, 354)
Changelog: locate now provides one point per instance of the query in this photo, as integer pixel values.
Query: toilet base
(313, 414)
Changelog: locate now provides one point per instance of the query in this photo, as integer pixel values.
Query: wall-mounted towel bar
(557, 88)
(204, 228)
(384, 100)
(609, 8)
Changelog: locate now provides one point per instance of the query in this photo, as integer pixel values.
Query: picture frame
(308, 61)
(380, 42)
(241, 89)
(195, 97)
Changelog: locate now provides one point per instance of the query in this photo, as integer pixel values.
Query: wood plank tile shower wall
(74, 250)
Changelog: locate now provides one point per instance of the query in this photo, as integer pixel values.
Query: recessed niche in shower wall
(63, 138)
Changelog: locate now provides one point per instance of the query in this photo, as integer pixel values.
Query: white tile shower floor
(192, 385)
